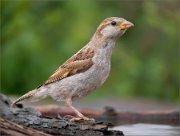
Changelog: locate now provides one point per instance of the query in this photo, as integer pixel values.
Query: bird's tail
(25, 96)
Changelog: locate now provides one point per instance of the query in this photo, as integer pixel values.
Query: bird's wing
(78, 63)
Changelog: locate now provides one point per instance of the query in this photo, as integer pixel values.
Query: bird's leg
(79, 114)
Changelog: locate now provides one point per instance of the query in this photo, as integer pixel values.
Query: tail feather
(25, 96)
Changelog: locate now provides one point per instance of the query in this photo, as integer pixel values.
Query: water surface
(149, 130)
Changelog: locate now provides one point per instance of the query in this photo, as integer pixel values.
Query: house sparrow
(84, 71)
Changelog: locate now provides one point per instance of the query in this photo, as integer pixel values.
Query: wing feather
(78, 63)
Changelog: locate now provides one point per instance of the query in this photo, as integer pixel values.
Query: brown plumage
(79, 62)
(25, 96)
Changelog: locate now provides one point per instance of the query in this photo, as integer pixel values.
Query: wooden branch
(12, 129)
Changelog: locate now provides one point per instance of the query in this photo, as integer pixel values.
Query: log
(109, 114)
(31, 118)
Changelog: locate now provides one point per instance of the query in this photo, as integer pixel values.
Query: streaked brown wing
(80, 62)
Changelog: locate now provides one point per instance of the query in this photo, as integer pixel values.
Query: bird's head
(113, 27)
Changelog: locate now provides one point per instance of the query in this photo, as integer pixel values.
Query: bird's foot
(68, 117)
(76, 119)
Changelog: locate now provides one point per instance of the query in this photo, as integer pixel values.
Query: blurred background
(38, 36)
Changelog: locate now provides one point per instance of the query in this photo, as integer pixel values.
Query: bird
(85, 71)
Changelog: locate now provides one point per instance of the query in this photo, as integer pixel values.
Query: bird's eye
(113, 23)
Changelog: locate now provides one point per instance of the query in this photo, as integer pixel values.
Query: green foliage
(38, 36)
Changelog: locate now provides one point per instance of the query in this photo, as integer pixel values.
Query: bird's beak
(125, 25)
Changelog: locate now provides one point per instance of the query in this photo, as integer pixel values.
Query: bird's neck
(101, 42)
(103, 47)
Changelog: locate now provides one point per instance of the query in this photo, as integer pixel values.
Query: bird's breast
(102, 64)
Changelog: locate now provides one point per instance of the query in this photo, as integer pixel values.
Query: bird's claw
(69, 117)
(76, 119)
